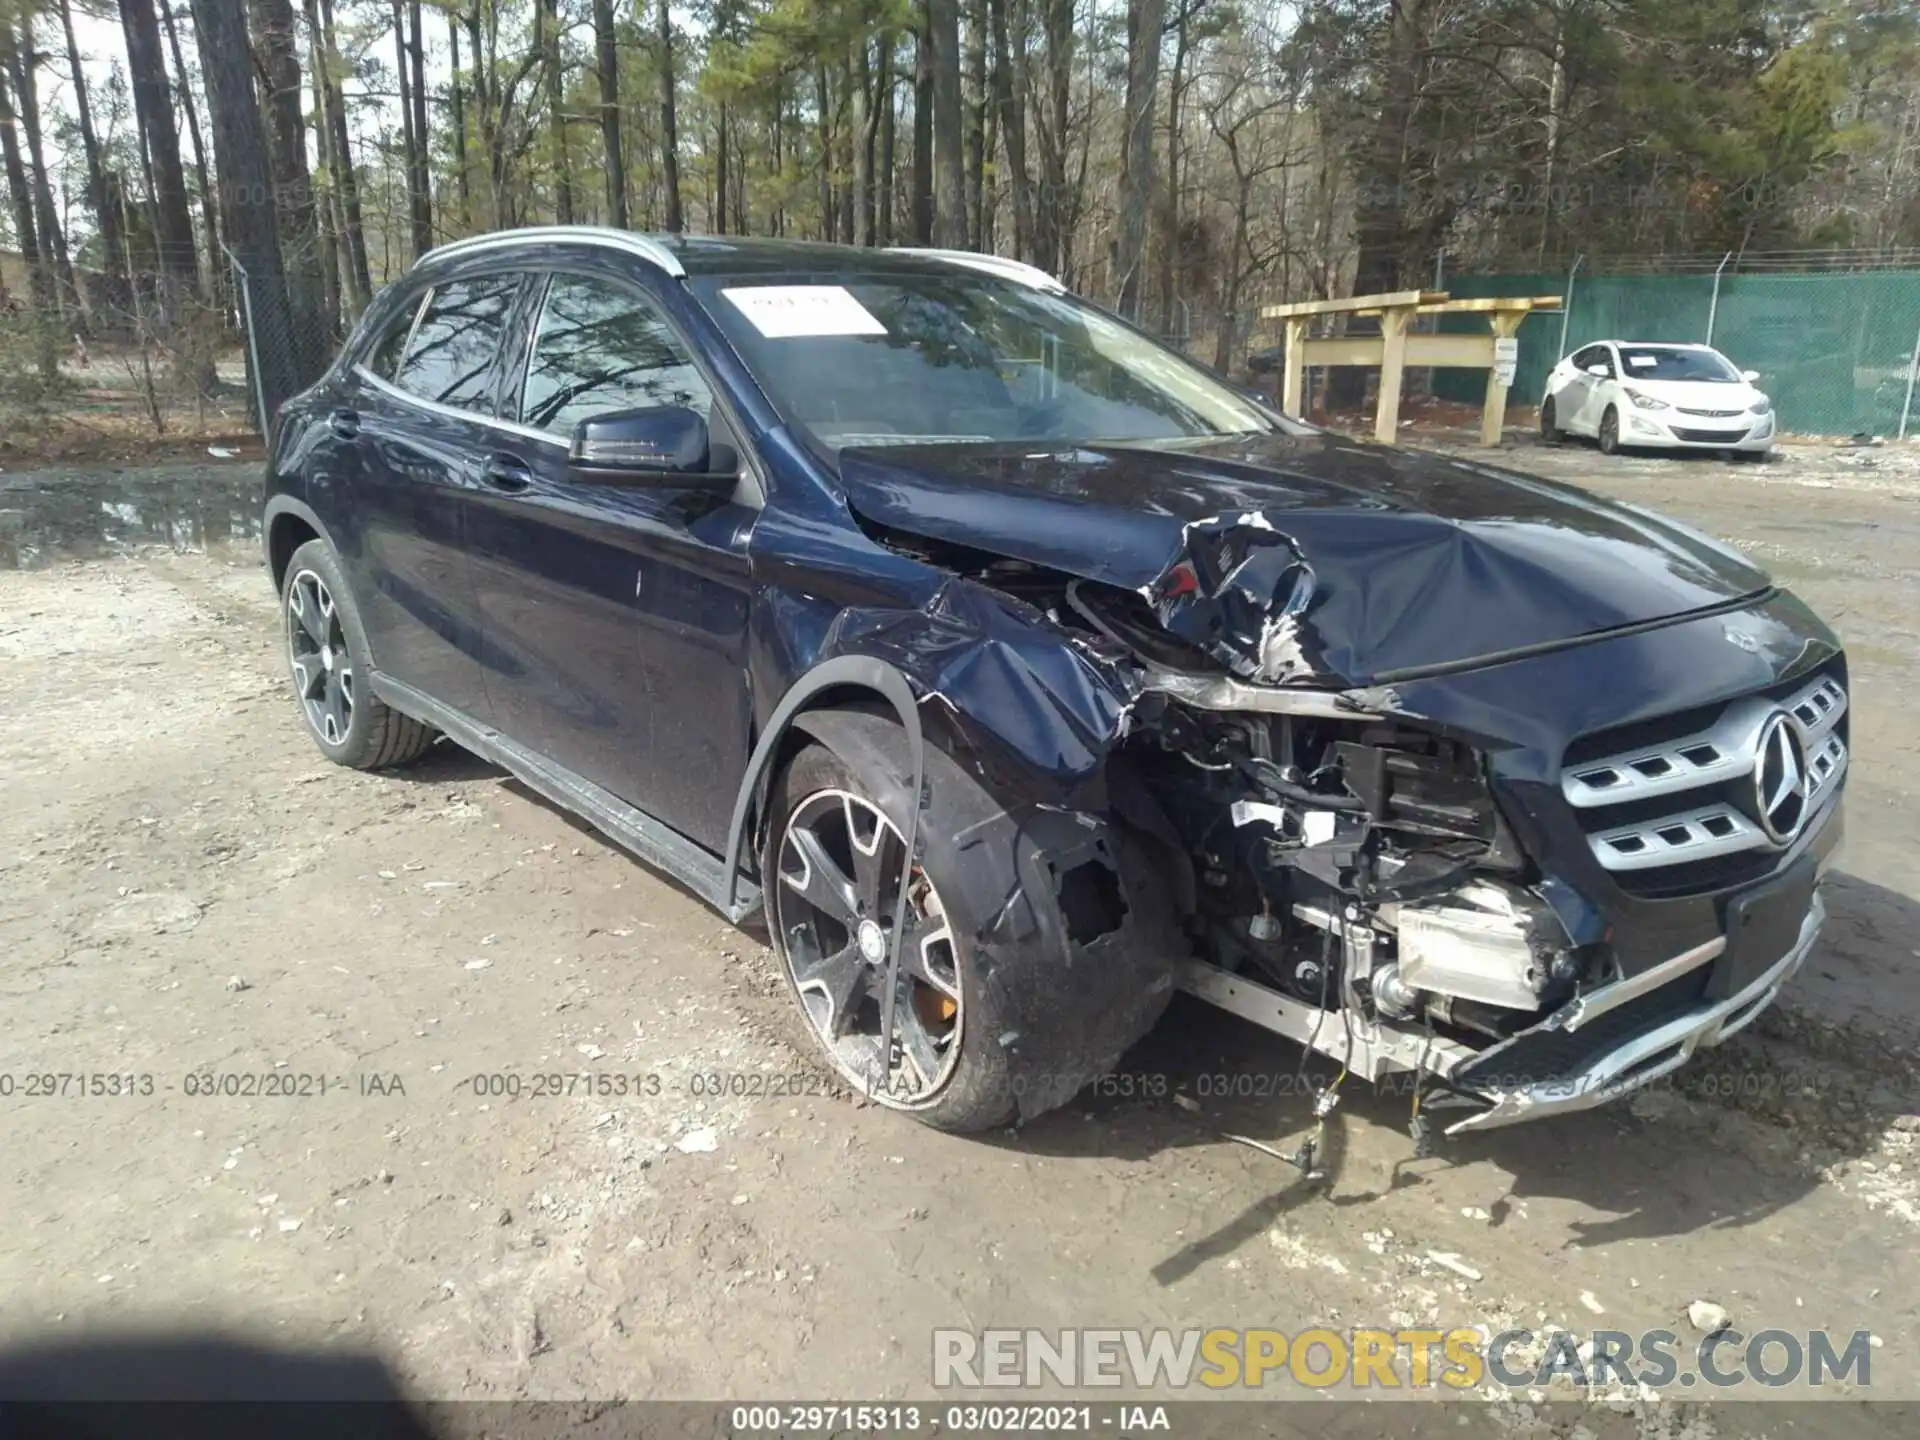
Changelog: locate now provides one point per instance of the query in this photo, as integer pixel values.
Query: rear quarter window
(384, 354)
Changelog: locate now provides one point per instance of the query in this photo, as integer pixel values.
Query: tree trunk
(277, 63)
(423, 187)
(1010, 98)
(457, 95)
(413, 132)
(923, 135)
(1145, 21)
(669, 129)
(53, 241)
(721, 176)
(1049, 237)
(153, 104)
(39, 273)
(484, 110)
(823, 143)
(1145, 27)
(976, 123)
(556, 117)
(949, 154)
(240, 147)
(777, 217)
(334, 292)
(609, 69)
(202, 180)
(403, 77)
(884, 89)
(1230, 303)
(1556, 100)
(846, 142)
(340, 155)
(1170, 202)
(1382, 206)
(110, 298)
(866, 133)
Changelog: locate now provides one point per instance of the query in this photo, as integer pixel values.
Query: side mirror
(661, 445)
(1752, 377)
(1599, 370)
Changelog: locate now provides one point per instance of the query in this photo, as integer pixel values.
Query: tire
(1610, 432)
(1550, 433)
(327, 656)
(1026, 1029)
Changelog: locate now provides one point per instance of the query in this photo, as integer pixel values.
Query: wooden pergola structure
(1398, 345)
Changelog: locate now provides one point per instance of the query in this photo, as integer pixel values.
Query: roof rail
(645, 246)
(1016, 270)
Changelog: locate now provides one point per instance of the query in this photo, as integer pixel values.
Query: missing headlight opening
(1356, 867)
(1344, 870)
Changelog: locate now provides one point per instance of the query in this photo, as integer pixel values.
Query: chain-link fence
(95, 361)
(1835, 351)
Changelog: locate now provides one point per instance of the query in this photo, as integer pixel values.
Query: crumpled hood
(1310, 558)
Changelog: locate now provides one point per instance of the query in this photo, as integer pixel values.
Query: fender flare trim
(278, 505)
(883, 679)
(863, 671)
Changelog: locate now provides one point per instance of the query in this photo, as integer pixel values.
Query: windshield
(858, 360)
(1656, 362)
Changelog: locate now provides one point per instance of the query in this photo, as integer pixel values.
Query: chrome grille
(1697, 770)
(1712, 414)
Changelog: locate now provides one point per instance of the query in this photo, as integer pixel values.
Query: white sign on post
(1506, 358)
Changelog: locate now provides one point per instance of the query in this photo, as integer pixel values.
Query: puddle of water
(44, 519)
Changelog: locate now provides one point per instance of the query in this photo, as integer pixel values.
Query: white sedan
(1669, 397)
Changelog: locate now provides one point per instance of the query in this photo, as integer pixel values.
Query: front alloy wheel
(834, 900)
(317, 650)
(1610, 432)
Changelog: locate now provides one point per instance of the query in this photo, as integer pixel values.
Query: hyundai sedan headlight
(1762, 406)
(1646, 402)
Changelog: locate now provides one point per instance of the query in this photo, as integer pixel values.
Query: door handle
(506, 473)
(344, 423)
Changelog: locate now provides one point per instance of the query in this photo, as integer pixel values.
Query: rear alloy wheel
(1610, 432)
(327, 656)
(322, 665)
(834, 898)
(1550, 431)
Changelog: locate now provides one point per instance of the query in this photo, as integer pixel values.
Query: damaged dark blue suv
(1025, 673)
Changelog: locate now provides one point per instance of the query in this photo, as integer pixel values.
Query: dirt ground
(188, 890)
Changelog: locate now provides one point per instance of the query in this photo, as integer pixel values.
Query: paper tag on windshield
(782, 312)
(1641, 362)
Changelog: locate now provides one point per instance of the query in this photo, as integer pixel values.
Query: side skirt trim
(635, 831)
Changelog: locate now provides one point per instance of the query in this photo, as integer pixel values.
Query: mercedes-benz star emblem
(1780, 778)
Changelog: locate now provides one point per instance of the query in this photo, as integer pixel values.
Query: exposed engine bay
(1358, 865)
(1345, 874)
(1355, 864)
(1352, 862)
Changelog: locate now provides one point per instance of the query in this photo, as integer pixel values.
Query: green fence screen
(1833, 350)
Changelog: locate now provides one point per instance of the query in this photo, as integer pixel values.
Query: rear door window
(600, 346)
(455, 345)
